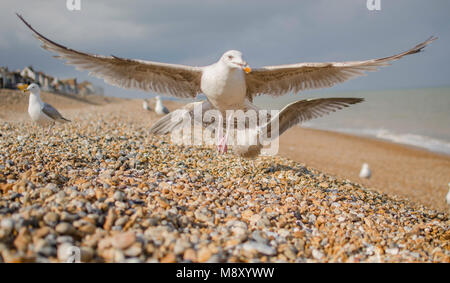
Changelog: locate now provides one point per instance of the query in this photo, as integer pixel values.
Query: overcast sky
(267, 32)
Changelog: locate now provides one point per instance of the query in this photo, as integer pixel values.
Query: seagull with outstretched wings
(227, 84)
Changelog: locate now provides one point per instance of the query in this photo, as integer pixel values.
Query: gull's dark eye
(230, 57)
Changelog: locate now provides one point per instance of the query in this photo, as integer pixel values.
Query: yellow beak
(247, 69)
(23, 87)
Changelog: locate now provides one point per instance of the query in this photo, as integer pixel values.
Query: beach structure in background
(28, 72)
(70, 86)
(12, 79)
(87, 88)
(40, 112)
(365, 172)
(45, 81)
(160, 109)
(145, 105)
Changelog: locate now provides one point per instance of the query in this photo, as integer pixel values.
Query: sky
(266, 32)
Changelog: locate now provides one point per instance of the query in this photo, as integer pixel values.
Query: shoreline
(376, 139)
(368, 136)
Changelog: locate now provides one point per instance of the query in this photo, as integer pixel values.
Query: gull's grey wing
(283, 79)
(304, 110)
(172, 79)
(51, 112)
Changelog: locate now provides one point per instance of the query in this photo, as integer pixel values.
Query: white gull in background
(448, 195)
(365, 171)
(40, 112)
(160, 109)
(145, 105)
(228, 84)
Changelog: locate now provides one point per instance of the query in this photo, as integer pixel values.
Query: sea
(415, 117)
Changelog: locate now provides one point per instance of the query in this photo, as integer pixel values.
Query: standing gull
(40, 112)
(229, 84)
(365, 171)
(448, 195)
(160, 109)
(145, 105)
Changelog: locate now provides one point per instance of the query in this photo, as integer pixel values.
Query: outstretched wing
(304, 110)
(51, 112)
(283, 79)
(166, 79)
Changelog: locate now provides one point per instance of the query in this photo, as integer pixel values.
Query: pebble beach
(104, 185)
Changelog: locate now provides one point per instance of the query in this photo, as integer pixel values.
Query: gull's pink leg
(49, 129)
(219, 138)
(222, 146)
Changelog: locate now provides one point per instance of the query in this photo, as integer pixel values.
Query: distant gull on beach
(229, 84)
(365, 171)
(160, 109)
(448, 195)
(40, 112)
(145, 105)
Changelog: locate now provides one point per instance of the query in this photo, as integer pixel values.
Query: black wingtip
(25, 22)
(352, 100)
(20, 17)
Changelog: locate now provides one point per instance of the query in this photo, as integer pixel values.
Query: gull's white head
(158, 98)
(233, 59)
(33, 88)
